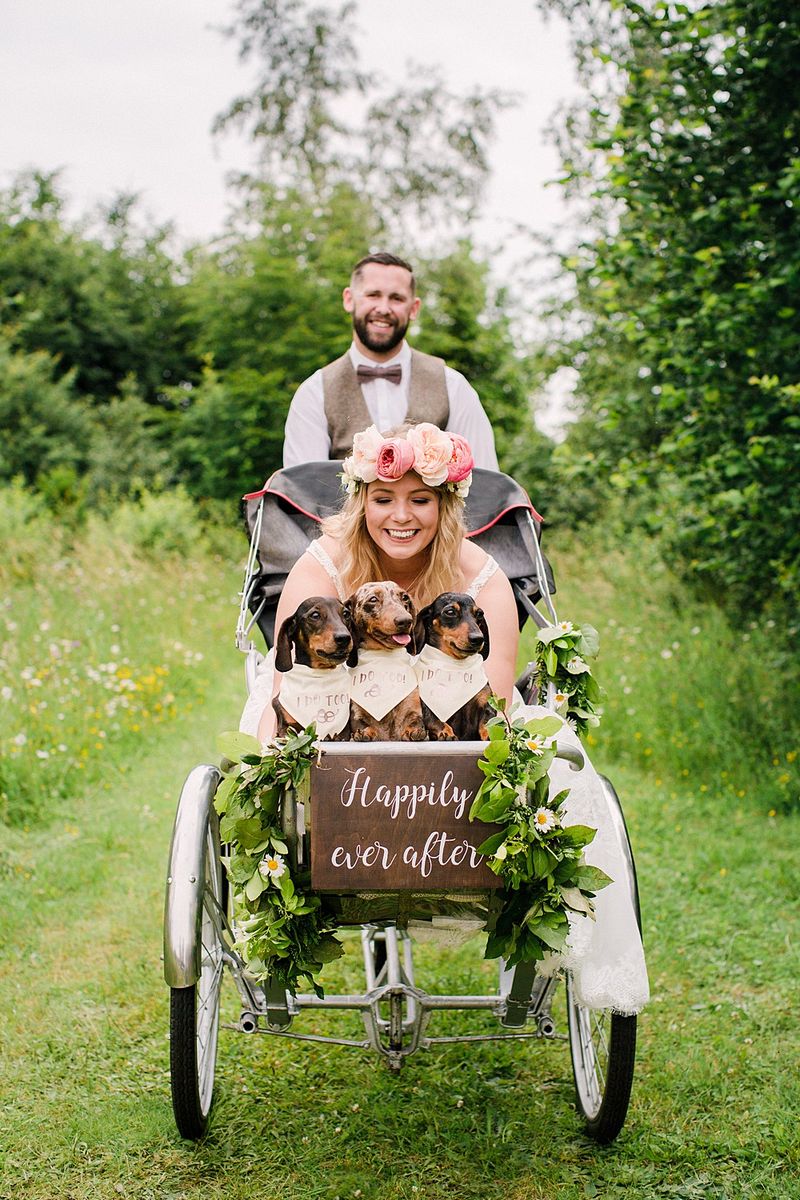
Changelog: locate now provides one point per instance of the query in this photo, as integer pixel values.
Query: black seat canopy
(498, 514)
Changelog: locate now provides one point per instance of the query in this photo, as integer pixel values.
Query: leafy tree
(419, 152)
(46, 426)
(105, 305)
(467, 323)
(687, 163)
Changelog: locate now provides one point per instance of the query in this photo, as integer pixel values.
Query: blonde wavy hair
(362, 564)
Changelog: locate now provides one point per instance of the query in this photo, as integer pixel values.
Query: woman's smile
(402, 515)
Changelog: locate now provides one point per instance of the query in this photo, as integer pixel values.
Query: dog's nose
(403, 623)
(342, 639)
(475, 641)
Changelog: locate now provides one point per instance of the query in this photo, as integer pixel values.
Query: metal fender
(621, 830)
(183, 903)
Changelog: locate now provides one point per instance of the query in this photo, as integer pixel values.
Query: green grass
(84, 1086)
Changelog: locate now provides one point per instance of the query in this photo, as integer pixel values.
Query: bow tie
(393, 374)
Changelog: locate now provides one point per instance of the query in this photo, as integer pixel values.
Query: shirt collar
(403, 357)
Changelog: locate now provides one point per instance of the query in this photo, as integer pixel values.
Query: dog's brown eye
(450, 611)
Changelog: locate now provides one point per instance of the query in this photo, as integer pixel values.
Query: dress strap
(326, 562)
(484, 575)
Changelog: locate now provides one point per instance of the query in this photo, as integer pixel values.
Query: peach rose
(432, 452)
(461, 462)
(395, 458)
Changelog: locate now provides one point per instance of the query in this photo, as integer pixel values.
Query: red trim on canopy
(267, 490)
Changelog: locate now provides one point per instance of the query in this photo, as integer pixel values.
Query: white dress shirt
(307, 438)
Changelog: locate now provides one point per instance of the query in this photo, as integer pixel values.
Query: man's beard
(379, 345)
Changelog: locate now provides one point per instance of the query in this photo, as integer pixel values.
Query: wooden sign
(393, 816)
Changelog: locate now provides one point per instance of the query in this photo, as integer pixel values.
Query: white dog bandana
(381, 680)
(445, 683)
(312, 694)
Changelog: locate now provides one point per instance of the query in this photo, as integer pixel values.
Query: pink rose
(395, 458)
(461, 462)
(432, 452)
(366, 448)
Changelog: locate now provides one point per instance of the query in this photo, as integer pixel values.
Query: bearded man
(380, 380)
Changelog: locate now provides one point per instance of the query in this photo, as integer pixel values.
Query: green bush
(698, 700)
(159, 524)
(32, 536)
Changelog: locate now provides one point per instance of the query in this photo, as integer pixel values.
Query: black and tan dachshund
(454, 625)
(322, 642)
(381, 617)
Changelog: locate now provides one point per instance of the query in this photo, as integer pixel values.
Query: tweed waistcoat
(346, 411)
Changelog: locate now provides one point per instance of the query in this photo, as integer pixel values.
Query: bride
(402, 520)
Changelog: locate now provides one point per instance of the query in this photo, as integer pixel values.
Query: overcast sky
(122, 93)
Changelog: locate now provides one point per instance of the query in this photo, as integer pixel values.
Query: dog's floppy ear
(420, 635)
(484, 628)
(347, 617)
(283, 645)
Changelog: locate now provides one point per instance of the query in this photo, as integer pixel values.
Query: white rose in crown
(364, 459)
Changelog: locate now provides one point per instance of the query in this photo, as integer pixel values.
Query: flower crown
(440, 459)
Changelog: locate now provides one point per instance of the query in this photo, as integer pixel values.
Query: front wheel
(194, 1010)
(603, 1048)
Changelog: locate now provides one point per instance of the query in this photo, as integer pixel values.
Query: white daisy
(544, 819)
(271, 866)
(576, 665)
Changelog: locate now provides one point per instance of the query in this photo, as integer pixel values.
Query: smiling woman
(402, 521)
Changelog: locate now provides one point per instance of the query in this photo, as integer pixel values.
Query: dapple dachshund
(454, 625)
(320, 690)
(381, 617)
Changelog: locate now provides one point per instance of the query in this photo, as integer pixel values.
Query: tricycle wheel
(194, 1010)
(603, 1047)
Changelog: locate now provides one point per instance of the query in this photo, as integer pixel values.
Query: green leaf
(576, 900)
(591, 879)
(235, 745)
(223, 792)
(255, 886)
(579, 835)
(497, 751)
(491, 844)
(544, 726)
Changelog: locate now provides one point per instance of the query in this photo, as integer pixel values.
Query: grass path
(83, 1020)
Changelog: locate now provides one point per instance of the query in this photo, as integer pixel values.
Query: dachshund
(316, 686)
(384, 698)
(452, 632)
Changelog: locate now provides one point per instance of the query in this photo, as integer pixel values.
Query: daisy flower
(544, 819)
(271, 866)
(576, 665)
(536, 744)
(566, 626)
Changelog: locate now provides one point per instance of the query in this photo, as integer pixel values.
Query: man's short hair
(383, 260)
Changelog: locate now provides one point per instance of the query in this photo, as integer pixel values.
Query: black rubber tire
(194, 1012)
(603, 1051)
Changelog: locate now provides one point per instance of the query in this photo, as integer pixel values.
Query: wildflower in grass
(271, 866)
(544, 819)
(6, 693)
(667, 653)
(20, 739)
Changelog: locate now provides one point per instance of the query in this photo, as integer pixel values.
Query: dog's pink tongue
(402, 639)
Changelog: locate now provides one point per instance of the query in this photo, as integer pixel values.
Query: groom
(380, 380)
